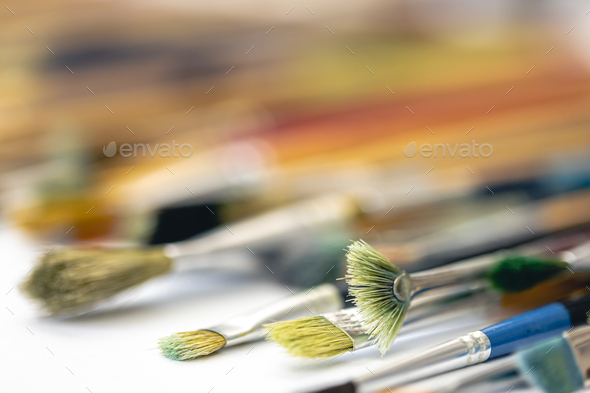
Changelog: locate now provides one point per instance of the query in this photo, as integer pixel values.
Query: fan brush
(383, 292)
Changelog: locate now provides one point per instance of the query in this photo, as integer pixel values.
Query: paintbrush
(383, 292)
(556, 365)
(332, 334)
(492, 342)
(244, 327)
(69, 280)
(329, 335)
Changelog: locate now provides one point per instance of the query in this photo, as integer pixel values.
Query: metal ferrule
(478, 347)
(350, 321)
(454, 273)
(463, 351)
(437, 302)
(321, 299)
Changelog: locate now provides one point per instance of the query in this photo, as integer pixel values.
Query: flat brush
(383, 292)
(494, 341)
(70, 280)
(242, 328)
(332, 334)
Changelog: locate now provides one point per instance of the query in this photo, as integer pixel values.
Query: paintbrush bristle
(520, 272)
(370, 278)
(313, 337)
(551, 366)
(71, 280)
(191, 345)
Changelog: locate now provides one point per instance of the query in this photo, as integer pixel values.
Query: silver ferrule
(318, 300)
(232, 260)
(271, 229)
(478, 348)
(436, 302)
(463, 351)
(351, 323)
(441, 303)
(454, 273)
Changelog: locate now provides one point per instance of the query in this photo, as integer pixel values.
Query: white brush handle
(270, 230)
(315, 301)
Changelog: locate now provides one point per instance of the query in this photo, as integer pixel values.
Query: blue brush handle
(544, 322)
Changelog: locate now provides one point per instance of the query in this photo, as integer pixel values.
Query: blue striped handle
(508, 336)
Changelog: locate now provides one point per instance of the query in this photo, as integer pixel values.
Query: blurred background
(278, 101)
(281, 102)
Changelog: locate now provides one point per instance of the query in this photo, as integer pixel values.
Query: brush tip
(191, 345)
(370, 278)
(348, 387)
(312, 338)
(69, 280)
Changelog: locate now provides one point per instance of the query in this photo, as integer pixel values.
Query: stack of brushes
(386, 295)
(473, 264)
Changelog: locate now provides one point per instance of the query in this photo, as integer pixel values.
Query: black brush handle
(578, 308)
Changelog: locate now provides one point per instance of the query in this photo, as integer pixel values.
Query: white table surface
(116, 350)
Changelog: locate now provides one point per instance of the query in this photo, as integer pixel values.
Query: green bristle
(551, 366)
(370, 278)
(519, 272)
(191, 345)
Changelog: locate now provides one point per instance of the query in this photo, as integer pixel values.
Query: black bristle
(183, 222)
(348, 387)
